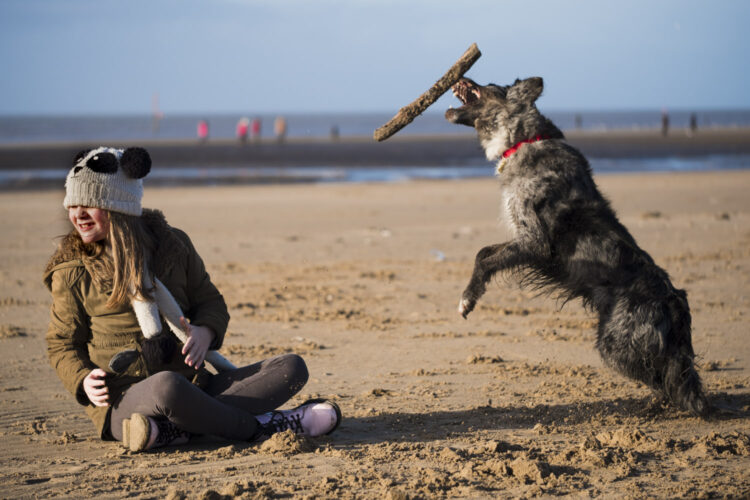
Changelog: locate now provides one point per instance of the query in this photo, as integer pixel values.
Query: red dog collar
(509, 152)
(518, 145)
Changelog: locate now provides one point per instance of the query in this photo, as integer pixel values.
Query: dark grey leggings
(225, 408)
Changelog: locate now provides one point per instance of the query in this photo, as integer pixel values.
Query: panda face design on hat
(108, 178)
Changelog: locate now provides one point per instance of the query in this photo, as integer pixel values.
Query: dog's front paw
(465, 306)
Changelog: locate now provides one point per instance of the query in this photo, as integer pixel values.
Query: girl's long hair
(132, 245)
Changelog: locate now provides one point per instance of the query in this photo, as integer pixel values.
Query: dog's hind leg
(489, 261)
(646, 343)
(682, 384)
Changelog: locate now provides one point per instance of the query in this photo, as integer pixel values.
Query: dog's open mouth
(470, 95)
(466, 91)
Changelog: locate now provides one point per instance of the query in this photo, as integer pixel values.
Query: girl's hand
(196, 347)
(96, 388)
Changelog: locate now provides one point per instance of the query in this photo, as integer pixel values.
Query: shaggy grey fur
(567, 239)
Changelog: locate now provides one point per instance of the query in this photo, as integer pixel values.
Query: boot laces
(168, 432)
(280, 422)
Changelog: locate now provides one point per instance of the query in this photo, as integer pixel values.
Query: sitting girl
(139, 383)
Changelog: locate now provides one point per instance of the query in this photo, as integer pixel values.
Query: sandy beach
(363, 281)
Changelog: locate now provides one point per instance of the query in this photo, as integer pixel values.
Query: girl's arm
(68, 334)
(207, 306)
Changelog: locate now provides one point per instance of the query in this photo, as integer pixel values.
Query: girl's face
(91, 223)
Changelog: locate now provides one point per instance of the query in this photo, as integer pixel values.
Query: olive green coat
(84, 333)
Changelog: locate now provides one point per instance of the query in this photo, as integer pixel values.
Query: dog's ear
(527, 90)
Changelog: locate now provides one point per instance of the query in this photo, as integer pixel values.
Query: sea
(30, 130)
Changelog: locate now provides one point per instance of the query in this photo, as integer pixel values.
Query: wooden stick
(407, 114)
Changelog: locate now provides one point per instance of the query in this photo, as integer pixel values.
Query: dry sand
(363, 281)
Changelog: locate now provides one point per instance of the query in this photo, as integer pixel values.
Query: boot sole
(138, 433)
(126, 432)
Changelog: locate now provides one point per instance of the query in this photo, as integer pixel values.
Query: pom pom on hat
(108, 178)
(136, 163)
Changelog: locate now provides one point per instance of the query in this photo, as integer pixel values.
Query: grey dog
(567, 239)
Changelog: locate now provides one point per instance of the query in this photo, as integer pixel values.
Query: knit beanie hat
(108, 178)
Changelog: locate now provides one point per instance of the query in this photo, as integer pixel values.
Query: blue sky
(112, 56)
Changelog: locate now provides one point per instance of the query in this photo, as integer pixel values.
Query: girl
(114, 260)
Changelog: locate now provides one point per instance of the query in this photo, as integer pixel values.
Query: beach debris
(476, 359)
(407, 114)
(439, 256)
(378, 392)
(653, 214)
(10, 331)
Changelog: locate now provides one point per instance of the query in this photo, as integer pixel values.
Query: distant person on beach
(118, 281)
(693, 123)
(334, 133)
(255, 129)
(243, 127)
(664, 123)
(156, 119)
(279, 128)
(203, 130)
(578, 121)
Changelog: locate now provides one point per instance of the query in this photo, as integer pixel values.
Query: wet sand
(363, 281)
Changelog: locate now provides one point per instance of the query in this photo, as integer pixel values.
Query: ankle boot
(312, 418)
(136, 433)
